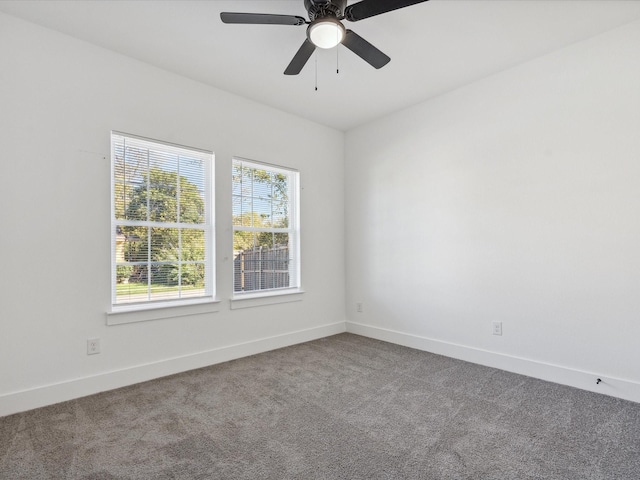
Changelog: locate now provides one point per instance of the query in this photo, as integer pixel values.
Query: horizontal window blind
(161, 221)
(265, 227)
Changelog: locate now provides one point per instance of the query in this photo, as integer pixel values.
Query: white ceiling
(434, 47)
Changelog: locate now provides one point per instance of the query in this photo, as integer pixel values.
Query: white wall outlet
(359, 307)
(497, 328)
(93, 346)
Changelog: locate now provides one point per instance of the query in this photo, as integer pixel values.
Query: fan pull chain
(316, 62)
(337, 54)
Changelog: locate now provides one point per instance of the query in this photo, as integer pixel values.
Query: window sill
(122, 314)
(248, 300)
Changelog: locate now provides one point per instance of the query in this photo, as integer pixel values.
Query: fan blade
(371, 8)
(261, 19)
(300, 58)
(365, 50)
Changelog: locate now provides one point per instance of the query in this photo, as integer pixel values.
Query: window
(162, 222)
(265, 228)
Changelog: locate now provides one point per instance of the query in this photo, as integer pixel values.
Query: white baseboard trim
(615, 387)
(24, 400)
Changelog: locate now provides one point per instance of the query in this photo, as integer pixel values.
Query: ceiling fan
(325, 28)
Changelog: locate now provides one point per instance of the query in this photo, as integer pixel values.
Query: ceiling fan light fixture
(326, 32)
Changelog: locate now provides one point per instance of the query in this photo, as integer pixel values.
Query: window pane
(192, 245)
(130, 188)
(164, 281)
(265, 266)
(262, 181)
(264, 240)
(280, 219)
(193, 169)
(192, 278)
(262, 210)
(244, 182)
(280, 202)
(132, 292)
(280, 187)
(243, 240)
(242, 211)
(191, 203)
(131, 243)
(163, 201)
(164, 244)
(192, 199)
(236, 175)
(236, 207)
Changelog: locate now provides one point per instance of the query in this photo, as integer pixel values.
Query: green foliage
(123, 272)
(192, 274)
(264, 192)
(162, 196)
(246, 240)
(269, 190)
(157, 244)
(243, 240)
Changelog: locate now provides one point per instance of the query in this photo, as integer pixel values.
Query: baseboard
(55, 393)
(615, 387)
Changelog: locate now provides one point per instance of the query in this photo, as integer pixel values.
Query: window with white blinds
(162, 222)
(266, 227)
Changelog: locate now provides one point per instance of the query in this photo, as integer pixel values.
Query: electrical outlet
(359, 307)
(93, 346)
(497, 328)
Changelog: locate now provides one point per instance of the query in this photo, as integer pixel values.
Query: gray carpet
(344, 407)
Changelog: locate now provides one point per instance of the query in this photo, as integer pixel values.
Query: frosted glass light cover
(326, 34)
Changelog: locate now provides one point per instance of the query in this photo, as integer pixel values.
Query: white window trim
(120, 313)
(267, 297)
(130, 313)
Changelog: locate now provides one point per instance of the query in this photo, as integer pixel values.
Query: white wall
(514, 199)
(59, 100)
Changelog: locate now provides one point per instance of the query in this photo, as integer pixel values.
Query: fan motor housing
(325, 8)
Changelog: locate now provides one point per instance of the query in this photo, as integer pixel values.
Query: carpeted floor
(344, 407)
